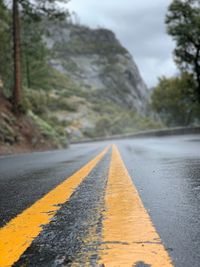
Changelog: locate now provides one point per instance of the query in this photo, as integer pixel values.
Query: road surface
(119, 203)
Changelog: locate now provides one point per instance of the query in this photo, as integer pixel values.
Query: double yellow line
(128, 235)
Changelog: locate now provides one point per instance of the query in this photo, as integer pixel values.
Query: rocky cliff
(97, 62)
(98, 89)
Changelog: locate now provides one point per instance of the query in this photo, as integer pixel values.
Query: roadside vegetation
(26, 78)
(176, 100)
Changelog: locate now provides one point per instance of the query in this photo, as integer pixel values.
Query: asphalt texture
(26, 178)
(165, 171)
(76, 226)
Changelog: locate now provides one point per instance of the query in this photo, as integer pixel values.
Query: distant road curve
(150, 133)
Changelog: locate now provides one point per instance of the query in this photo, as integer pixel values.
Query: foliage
(29, 11)
(7, 134)
(62, 104)
(123, 123)
(111, 119)
(183, 24)
(36, 9)
(35, 100)
(45, 128)
(6, 67)
(34, 54)
(56, 134)
(172, 100)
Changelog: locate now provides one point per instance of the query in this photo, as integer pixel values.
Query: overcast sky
(139, 25)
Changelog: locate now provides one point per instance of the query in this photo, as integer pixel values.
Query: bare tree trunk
(28, 78)
(16, 57)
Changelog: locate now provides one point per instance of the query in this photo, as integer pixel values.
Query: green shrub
(45, 128)
(65, 104)
(173, 100)
(34, 100)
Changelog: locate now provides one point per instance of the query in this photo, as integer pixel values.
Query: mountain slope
(97, 88)
(96, 61)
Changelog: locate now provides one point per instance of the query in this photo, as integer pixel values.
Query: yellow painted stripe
(19, 233)
(129, 237)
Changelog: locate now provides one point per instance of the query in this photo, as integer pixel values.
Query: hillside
(103, 88)
(78, 83)
(97, 62)
(26, 132)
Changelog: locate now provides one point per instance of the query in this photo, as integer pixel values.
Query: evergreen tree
(172, 99)
(35, 10)
(183, 23)
(6, 68)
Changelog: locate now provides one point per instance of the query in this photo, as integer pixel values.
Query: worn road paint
(18, 234)
(128, 235)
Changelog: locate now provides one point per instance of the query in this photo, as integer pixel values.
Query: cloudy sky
(139, 25)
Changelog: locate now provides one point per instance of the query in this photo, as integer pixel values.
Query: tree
(35, 54)
(6, 69)
(172, 99)
(35, 9)
(183, 24)
(16, 56)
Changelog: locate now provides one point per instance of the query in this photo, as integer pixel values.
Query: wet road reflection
(166, 172)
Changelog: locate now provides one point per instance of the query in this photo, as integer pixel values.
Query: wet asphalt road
(166, 172)
(26, 178)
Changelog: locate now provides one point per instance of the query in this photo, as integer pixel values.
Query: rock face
(97, 62)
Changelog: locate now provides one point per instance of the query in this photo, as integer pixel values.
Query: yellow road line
(129, 237)
(18, 234)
